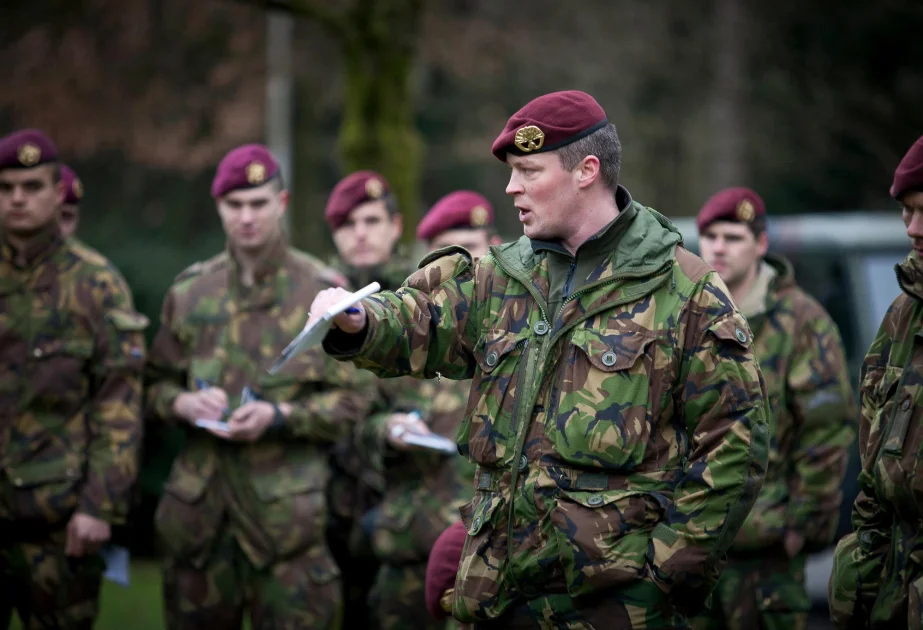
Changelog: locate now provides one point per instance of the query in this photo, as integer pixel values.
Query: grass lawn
(138, 607)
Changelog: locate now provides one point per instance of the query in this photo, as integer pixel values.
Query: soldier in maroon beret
(876, 568)
(69, 212)
(366, 225)
(463, 218)
(804, 366)
(612, 471)
(71, 359)
(255, 454)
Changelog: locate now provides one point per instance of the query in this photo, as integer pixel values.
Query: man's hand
(350, 323)
(249, 422)
(399, 424)
(85, 535)
(794, 542)
(206, 404)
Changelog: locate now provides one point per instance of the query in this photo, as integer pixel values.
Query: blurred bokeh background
(810, 103)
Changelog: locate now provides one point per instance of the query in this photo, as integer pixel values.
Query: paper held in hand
(313, 335)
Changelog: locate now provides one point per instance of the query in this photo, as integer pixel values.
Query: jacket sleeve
(114, 422)
(166, 372)
(720, 397)
(822, 405)
(419, 330)
(860, 556)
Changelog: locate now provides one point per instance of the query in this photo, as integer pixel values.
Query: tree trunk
(377, 129)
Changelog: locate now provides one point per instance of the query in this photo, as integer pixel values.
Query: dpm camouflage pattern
(71, 360)
(271, 493)
(621, 441)
(811, 426)
(423, 492)
(877, 578)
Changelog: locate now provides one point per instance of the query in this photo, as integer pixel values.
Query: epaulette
(86, 253)
(445, 252)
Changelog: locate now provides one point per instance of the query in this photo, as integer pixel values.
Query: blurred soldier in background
(69, 212)
(362, 215)
(811, 422)
(71, 359)
(423, 489)
(441, 571)
(877, 578)
(243, 513)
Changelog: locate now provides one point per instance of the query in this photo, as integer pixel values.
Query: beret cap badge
(28, 154)
(479, 216)
(256, 173)
(374, 188)
(745, 210)
(529, 138)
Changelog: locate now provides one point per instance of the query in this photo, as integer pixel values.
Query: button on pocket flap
(276, 485)
(494, 346)
(484, 512)
(601, 498)
(611, 352)
(127, 321)
(734, 330)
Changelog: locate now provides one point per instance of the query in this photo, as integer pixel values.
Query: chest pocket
(60, 377)
(486, 432)
(604, 404)
(879, 387)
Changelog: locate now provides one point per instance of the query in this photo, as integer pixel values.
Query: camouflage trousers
(398, 600)
(48, 589)
(301, 592)
(636, 606)
(761, 593)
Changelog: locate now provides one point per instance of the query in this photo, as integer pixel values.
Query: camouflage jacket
(71, 358)
(217, 331)
(811, 420)
(621, 439)
(877, 578)
(423, 489)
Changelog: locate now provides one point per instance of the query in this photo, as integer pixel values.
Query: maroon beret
(27, 148)
(73, 186)
(442, 567)
(351, 191)
(909, 173)
(737, 205)
(550, 122)
(247, 166)
(460, 209)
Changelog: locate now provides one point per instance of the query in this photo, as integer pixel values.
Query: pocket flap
(483, 513)
(602, 498)
(611, 352)
(272, 486)
(32, 474)
(494, 346)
